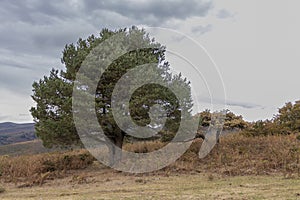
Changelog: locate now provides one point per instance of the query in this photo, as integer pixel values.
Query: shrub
(2, 190)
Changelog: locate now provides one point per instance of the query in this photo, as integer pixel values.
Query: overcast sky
(255, 44)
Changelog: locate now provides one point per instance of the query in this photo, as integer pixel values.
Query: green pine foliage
(53, 94)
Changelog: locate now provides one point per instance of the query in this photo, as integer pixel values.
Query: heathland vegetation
(258, 150)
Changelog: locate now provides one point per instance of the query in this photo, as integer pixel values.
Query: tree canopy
(286, 122)
(289, 117)
(53, 112)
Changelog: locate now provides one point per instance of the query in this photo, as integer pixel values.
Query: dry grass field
(109, 185)
(23, 148)
(238, 168)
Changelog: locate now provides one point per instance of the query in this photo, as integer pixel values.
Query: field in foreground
(238, 168)
(112, 185)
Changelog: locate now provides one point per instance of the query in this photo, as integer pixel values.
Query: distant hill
(11, 133)
(24, 148)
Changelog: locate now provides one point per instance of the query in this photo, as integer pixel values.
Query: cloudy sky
(255, 44)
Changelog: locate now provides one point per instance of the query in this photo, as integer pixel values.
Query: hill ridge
(11, 133)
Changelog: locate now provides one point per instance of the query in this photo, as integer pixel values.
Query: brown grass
(24, 148)
(235, 155)
(111, 185)
(144, 147)
(240, 155)
(36, 169)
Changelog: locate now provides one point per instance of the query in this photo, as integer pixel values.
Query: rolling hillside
(11, 133)
(24, 148)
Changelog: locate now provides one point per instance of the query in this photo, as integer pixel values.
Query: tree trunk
(200, 135)
(116, 149)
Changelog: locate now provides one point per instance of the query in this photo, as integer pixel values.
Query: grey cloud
(16, 80)
(18, 71)
(155, 11)
(4, 117)
(202, 29)
(42, 28)
(245, 105)
(33, 33)
(31, 25)
(223, 14)
(13, 64)
(10, 60)
(24, 114)
(45, 40)
(35, 12)
(21, 118)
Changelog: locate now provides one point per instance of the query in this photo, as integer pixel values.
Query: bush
(29, 167)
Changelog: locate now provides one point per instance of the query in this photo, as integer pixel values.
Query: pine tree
(53, 112)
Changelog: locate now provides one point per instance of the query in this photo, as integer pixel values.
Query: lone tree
(53, 112)
(288, 118)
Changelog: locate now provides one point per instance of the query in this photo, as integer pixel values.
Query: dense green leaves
(53, 111)
(53, 94)
(289, 117)
(287, 121)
